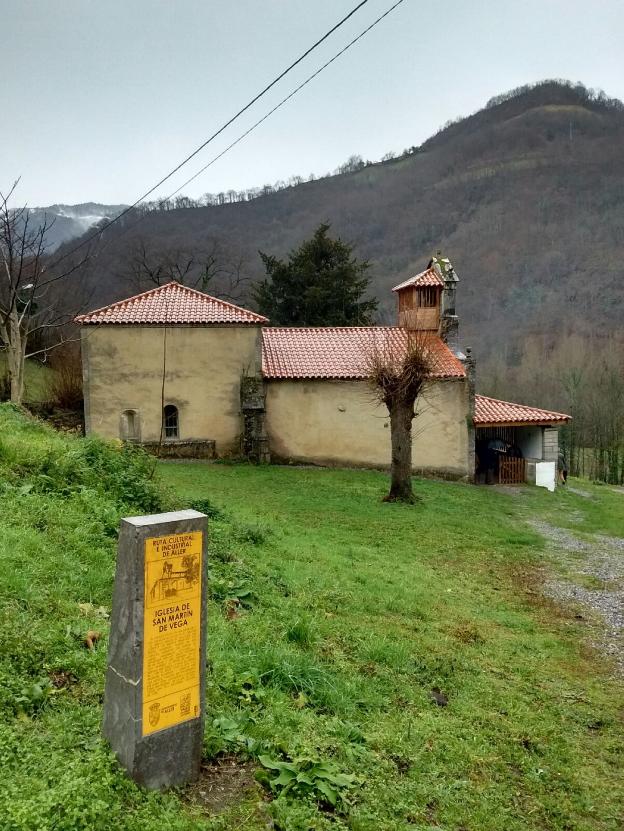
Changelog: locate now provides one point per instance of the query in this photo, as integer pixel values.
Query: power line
(218, 132)
(264, 117)
(284, 100)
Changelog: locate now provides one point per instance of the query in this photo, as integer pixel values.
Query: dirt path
(591, 575)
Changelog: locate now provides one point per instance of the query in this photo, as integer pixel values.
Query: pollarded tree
(398, 377)
(321, 284)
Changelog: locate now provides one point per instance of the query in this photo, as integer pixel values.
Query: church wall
(123, 371)
(337, 423)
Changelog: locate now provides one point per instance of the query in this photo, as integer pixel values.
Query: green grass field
(332, 618)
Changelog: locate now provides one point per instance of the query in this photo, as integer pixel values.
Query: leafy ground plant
(304, 778)
(230, 735)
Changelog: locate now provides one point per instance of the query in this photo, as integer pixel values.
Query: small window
(129, 426)
(427, 296)
(170, 422)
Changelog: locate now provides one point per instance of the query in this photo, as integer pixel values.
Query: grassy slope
(37, 379)
(61, 502)
(358, 610)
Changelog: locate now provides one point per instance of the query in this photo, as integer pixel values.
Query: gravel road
(594, 580)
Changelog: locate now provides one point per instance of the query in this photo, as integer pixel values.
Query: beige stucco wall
(123, 370)
(335, 422)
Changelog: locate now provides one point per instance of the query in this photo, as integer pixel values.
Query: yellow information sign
(172, 630)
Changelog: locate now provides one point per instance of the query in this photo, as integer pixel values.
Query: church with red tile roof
(189, 375)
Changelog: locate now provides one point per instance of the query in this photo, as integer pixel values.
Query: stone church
(193, 376)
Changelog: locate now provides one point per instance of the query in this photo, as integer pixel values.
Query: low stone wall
(182, 449)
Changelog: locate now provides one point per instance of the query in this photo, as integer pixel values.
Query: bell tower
(427, 301)
(420, 301)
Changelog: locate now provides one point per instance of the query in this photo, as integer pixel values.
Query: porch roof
(491, 412)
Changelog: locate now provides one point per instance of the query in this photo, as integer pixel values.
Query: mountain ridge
(70, 222)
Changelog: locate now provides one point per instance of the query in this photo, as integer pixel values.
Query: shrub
(66, 386)
(205, 506)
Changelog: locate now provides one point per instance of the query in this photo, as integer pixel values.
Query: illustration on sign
(172, 630)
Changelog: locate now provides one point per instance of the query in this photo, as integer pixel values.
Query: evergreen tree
(321, 284)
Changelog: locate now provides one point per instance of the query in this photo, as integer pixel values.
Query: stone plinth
(155, 681)
(182, 448)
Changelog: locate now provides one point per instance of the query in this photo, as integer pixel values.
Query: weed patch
(302, 633)
(313, 779)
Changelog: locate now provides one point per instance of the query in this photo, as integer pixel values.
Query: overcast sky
(100, 98)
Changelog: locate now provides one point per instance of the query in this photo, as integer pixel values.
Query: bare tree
(352, 165)
(147, 267)
(208, 268)
(398, 376)
(234, 282)
(33, 301)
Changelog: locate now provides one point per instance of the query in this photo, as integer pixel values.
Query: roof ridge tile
(428, 277)
(170, 304)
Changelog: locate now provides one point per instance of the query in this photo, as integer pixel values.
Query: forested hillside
(526, 196)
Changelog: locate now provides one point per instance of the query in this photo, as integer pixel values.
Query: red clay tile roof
(173, 304)
(342, 352)
(429, 277)
(490, 412)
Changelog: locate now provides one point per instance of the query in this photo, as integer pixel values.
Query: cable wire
(284, 100)
(264, 117)
(218, 132)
